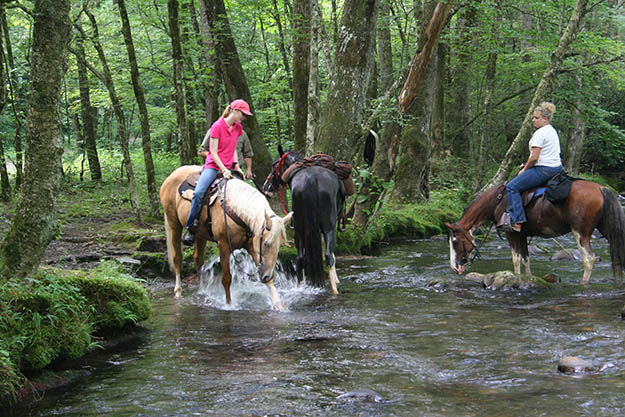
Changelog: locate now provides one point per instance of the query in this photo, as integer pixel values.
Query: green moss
(415, 220)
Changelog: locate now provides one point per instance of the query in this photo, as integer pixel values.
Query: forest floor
(84, 242)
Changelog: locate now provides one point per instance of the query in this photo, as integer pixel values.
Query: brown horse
(588, 206)
(262, 239)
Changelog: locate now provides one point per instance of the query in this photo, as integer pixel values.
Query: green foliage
(52, 317)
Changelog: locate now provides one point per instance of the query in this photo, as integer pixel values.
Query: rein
(278, 171)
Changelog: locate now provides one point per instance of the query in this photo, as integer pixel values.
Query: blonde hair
(226, 112)
(546, 110)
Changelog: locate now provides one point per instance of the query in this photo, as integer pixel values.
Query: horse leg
(330, 238)
(198, 255)
(519, 251)
(224, 260)
(275, 298)
(588, 257)
(173, 231)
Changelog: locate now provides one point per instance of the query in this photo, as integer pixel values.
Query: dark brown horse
(588, 206)
(262, 239)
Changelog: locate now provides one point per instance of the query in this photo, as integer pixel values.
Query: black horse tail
(612, 226)
(311, 233)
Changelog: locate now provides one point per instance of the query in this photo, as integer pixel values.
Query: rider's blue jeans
(533, 177)
(206, 179)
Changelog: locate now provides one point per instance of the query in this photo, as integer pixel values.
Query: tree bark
(301, 70)
(35, 223)
(544, 86)
(577, 134)
(146, 140)
(340, 130)
(5, 186)
(234, 78)
(211, 86)
(187, 149)
(424, 52)
(15, 98)
(314, 101)
(87, 114)
(282, 44)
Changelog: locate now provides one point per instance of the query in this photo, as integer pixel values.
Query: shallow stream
(444, 350)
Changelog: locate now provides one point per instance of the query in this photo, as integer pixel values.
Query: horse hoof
(178, 293)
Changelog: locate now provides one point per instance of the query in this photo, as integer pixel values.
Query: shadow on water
(448, 351)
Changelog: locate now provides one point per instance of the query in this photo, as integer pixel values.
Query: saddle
(187, 189)
(342, 169)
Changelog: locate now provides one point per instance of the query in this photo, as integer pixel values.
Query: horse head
(274, 182)
(461, 243)
(267, 245)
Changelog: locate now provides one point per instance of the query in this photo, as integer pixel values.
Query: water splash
(246, 290)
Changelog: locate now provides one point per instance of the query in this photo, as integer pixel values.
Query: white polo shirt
(546, 138)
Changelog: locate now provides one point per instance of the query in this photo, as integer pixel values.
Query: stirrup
(189, 238)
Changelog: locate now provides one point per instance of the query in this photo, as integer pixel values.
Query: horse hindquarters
(307, 231)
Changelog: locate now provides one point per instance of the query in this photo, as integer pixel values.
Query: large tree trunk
(544, 86)
(187, 149)
(87, 114)
(340, 130)
(107, 79)
(314, 100)
(234, 78)
(301, 70)
(35, 223)
(153, 197)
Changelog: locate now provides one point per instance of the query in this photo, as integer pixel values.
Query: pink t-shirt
(227, 143)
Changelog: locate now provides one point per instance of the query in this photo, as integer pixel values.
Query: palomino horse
(262, 239)
(588, 206)
(317, 196)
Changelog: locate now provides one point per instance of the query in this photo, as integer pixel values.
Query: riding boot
(189, 237)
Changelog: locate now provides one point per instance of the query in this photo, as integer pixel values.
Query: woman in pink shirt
(221, 157)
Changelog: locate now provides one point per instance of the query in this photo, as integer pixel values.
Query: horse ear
(287, 218)
(280, 150)
(268, 223)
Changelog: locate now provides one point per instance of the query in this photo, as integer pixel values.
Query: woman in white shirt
(543, 163)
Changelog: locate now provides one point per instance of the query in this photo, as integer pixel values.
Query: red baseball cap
(241, 105)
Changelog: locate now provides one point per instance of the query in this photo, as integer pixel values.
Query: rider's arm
(531, 160)
(205, 146)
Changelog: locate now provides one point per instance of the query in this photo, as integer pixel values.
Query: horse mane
(487, 196)
(249, 204)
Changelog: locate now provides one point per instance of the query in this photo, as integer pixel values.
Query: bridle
(277, 172)
(476, 254)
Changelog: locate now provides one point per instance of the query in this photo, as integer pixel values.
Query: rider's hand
(248, 174)
(226, 174)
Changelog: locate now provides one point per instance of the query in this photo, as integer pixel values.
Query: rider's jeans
(206, 179)
(533, 177)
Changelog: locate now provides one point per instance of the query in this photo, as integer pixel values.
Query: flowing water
(442, 350)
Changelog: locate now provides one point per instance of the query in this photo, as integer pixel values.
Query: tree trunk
(5, 186)
(107, 79)
(35, 223)
(146, 140)
(544, 86)
(282, 44)
(385, 57)
(301, 70)
(87, 115)
(437, 131)
(314, 100)
(211, 86)
(340, 130)
(577, 134)
(461, 84)
(15, 98)
(234, 78)
(187, 150)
